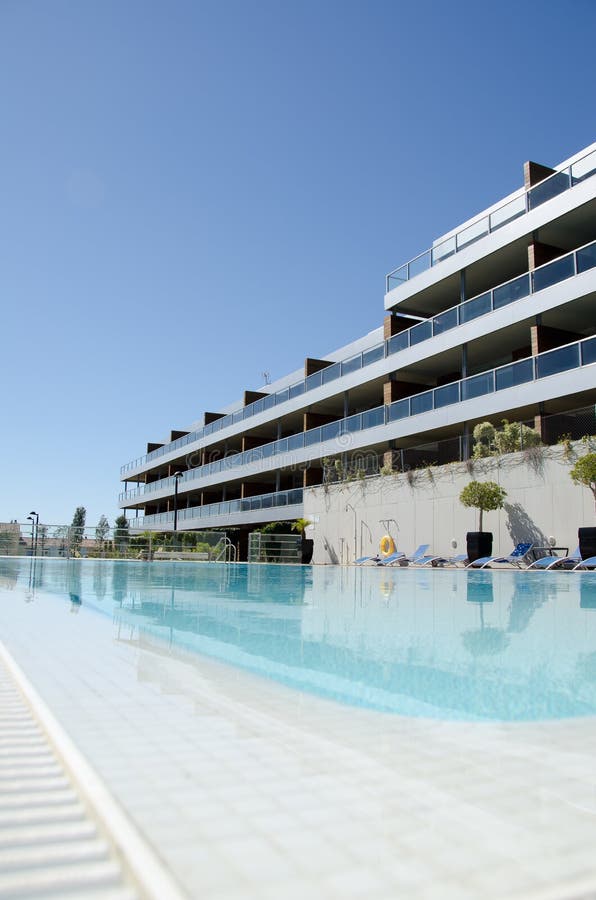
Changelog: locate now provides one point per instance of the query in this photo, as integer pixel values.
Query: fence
(274, 548)
(63, 541)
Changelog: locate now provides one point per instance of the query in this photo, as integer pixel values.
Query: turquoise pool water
(450, 644)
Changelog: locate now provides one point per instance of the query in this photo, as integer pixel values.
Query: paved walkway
(50, 845)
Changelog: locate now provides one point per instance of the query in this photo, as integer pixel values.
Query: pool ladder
(227, 552)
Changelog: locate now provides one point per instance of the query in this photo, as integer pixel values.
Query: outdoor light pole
(177, 477)
(34, 531)
(32, 520)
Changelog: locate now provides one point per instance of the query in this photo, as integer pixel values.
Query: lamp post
(32, 520)
(177, 477)
(34, 531)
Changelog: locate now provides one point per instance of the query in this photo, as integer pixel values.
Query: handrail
(566, 266)
(260, 501)
(527, 200)
(521, 371)
(228, 551)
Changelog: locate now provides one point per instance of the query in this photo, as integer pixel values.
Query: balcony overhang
(496, 240)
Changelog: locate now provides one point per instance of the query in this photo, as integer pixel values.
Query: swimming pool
(445, 644)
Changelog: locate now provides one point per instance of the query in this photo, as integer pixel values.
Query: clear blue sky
(193, 193)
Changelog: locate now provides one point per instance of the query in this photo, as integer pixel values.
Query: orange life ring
(387, 545)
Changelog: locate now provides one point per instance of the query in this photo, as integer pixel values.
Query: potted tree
(584, 472)
(300, 525)
(485, 496)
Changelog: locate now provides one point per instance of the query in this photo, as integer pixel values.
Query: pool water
(448, 644)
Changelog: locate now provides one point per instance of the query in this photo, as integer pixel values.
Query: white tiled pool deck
(50, 843)
(248, 790)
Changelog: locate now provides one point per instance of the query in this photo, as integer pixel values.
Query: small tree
(483, 495)
(121, 536)
(101, 531)
(8, 540)
(77, 528)
(42, 536)
(584, 472)
(61, 534)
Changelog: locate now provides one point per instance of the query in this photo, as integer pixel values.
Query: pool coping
(152, 878)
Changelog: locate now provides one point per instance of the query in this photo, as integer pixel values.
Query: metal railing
(528, 369)
(274, 548)
(71, 542)
(568, 425)
(530, 199)
(564, 267)
(224, 508)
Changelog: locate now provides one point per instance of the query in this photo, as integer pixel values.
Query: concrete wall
(423, 506)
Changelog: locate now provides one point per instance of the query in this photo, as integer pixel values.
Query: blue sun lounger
(515, 558)
(417, 555)
(455, 560)
(393, 557)
(553, 562)
(420, 557)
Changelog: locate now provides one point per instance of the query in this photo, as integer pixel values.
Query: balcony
(530, 199)
(561, 269)
(552, 362)
(287, 504)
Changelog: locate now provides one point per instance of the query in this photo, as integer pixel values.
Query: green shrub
(511, 437)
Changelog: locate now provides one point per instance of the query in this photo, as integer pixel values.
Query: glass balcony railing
(530, 282)
(533, 197)
(533, 368)
(225, 508)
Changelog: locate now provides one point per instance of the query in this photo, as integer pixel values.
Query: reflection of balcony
(532, 369)
(532, 198)
(561, 269)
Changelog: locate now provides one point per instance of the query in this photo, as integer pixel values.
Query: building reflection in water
(426, 643)
(451, 644)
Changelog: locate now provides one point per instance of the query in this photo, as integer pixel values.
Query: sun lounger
(455, 560)
(393, 557)
(433, 560)
(420, 557)
(515, 558)
(589, 563)
(554, 562)
(417, 555)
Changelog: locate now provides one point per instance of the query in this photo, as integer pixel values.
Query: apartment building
(496, 320)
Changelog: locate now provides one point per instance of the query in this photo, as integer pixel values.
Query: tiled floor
(249, 791)
(50, 845)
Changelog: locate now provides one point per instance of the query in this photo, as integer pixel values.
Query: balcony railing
(533, 197)
(263, 501)
(533, 368)
(551, 273)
